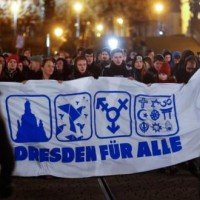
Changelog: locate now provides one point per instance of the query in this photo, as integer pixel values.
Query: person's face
(20, 66)
(132, 55)
(89, 58)
(12, 65)
(25, 62)
(190, 67)
(125, 56)
(151, 55)
(59, 65)
(167, 58)
(157, 64)
(105, 56)
(162, 76)
(82, 66)
(27, 53)
(61, 55)
(176, 60)
(79, 53)
(117, 58)
(139, 64)
(68, 58)
(99, 58)
(48, 68)
(35, 66)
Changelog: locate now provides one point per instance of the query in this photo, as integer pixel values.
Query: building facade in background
(97, 18)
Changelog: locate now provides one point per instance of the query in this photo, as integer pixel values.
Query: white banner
(109, 126)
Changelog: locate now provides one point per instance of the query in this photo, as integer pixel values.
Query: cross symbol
(143, 101)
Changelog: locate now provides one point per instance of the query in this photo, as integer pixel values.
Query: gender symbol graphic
(112, 107)
(24, 124)
(155, 115)
(73, 117)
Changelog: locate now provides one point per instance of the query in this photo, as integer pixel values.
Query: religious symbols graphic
(155, 115)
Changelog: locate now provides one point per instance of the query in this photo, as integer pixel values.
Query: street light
(120, 21)
(99, 28)
(113, 43)
(15, 10)
(159, 8)
(59, 38)
(48, 44)
(78, 8)
(58, 32)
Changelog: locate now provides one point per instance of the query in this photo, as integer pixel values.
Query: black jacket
(151, 76)
(15, 76)
(122, 70)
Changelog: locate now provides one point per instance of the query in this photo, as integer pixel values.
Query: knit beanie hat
(12, 57)
(165, 69)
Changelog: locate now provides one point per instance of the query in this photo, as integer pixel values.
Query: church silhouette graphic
(29, 130)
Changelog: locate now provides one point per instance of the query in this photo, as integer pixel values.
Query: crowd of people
(166, 67)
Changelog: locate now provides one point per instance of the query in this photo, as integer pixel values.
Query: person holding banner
(118, 67)
(48, 69)
(178, 70)
(164, 74)
(62, 69)
(151, 75)
(139, 67)
(186, 68)
(6, 162)
(80, 69)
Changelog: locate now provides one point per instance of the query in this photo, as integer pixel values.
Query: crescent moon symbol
(140, 113)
